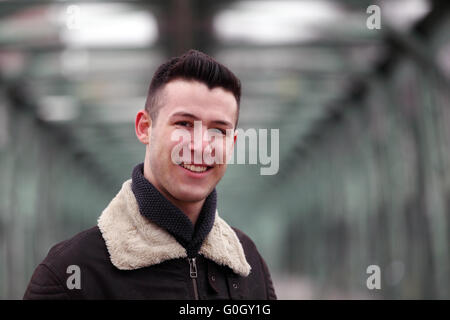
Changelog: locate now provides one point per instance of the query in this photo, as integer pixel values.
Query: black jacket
(128, 257)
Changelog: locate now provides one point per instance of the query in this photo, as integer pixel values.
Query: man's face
(183, 103)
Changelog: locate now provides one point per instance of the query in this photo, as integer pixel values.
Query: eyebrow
(190, 115)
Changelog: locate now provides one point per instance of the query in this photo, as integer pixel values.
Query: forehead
(195, 97)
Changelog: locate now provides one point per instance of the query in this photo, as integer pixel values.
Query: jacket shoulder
(49, 278)
(245, 240)
(80, 246)
(257, 262)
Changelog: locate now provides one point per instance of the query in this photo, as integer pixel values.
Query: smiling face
(183, 103)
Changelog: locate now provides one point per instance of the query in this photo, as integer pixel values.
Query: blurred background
(363, 115)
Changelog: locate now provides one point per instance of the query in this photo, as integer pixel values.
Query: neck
(190, 209)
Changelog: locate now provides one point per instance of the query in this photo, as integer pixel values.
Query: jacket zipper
(193, 275)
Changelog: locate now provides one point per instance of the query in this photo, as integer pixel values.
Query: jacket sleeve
(45, 285)
(271, 295)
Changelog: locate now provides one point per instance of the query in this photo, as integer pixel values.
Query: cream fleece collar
(135, 242)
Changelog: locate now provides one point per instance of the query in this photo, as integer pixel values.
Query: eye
(184, 123)
(219, 130)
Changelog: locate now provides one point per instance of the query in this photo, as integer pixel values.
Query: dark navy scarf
(158, 209)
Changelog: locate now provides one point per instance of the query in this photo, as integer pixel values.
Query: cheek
(227, 148)
(161, 145)
(158, 153)
(220, 172)
(224, 145)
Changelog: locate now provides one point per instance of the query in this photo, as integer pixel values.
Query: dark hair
(192, 65)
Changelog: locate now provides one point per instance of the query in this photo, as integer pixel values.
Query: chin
(192, 195)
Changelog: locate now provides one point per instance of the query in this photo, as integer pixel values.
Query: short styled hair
(192, 65)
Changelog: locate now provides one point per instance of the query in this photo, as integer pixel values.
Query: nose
(199, 142)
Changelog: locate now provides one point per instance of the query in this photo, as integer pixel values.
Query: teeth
(194, 168)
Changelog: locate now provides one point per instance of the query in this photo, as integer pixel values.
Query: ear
(142, 126)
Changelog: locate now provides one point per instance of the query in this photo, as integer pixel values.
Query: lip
(197, 175)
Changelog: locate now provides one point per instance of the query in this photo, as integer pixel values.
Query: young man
(161, 236)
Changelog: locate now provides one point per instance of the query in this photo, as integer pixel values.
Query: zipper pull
(193, 274)
(192, 268)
